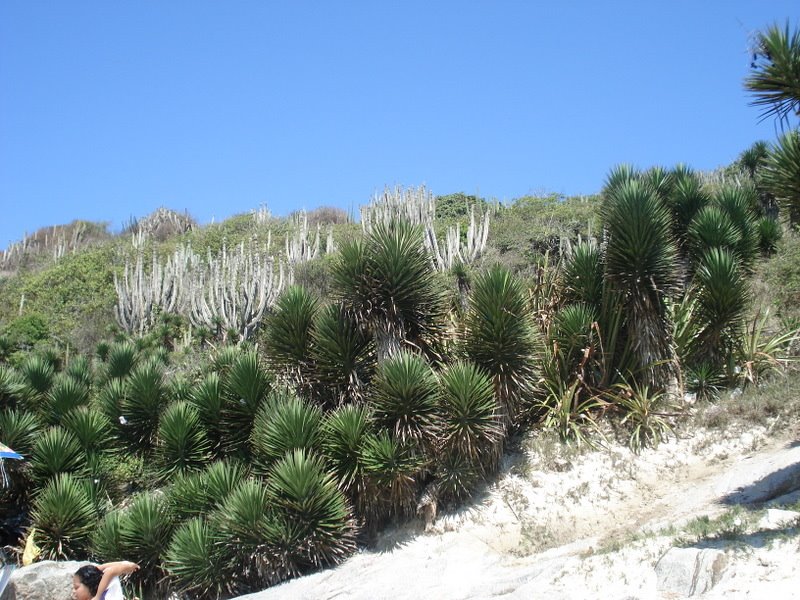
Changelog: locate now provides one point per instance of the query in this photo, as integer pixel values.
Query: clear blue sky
(111, 109)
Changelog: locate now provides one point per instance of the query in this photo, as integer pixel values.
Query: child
(101, 582)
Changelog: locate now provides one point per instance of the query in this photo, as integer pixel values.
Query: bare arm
(111, 570)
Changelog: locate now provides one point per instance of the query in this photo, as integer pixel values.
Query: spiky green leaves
(775, 80)
(288, 333)
(782, 174)
(246, 385)
(499, 336)
(64, 517)
(182, 443)
(56, 451)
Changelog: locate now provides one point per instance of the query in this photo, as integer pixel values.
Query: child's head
(85, 582)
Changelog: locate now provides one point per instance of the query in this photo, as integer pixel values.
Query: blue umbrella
(6, 452)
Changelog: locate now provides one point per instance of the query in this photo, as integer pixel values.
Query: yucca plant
(246, 386)
(313, 526)
(208, 397)
(472, 427)
(582, 278)
(283, 424)
(140, 407)
(288, 335)
(146, 528)
(12, 388)
(195, 561)
(343, 357)
(65, 395)
(685, 201)
(224, 358)
(121, 360)
(344, 431)
(182, 444)
(244, 522)
(38, 376)
(711, 228)
(705, 380)
(769, 234)
(56, 451)
(722, 296)
(90, 427)
(782, 174)
(572, 343)
(389, 285)
(775, 81)
(80, 369)
(195, 494)
(106, 539)
(64, 518)
(403, 399)
(741, 205)
(392, 469)
(19, 429)
(640, 263)
(499, 337)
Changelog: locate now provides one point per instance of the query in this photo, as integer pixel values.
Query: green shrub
(64, 518)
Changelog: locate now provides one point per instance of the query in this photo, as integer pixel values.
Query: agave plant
(741, 205)
(704, 380)
(284, 424)
(640, 262)
(12, 389)
(499, 337)
(572, 343)
(80, 369)
(711, 228)
(182, 443)
(246, 386)
(775, 82)
(570, 410)
(388, 284)
(760, 352)
(195, 561)
(37, 374)
(313, 522)
(582, 277)
(769, 234)
(106, 539)
(288, 335)
(56, 451)
(343, 358)
(472, 428)
(403, 400)
(644, 414)
(64, 518)
(685, 201)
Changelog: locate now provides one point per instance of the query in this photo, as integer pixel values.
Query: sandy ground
(591, 525)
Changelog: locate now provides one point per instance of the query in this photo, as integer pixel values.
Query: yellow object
(32, 551)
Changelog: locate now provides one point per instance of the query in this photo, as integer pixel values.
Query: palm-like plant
(643, 414)
(246, 386)
(208, 397)
(121, 360)
(711, 228)
(499, 337)
(106, 541)
(740, 204)
(284, 424)
(90, 427)
(343, 433)
(769, 234)
(313, 521)
(392, 469)
(65, 395)
(775, 81)
(403, 399)
(288, 335)
(64, 518)
(195, 561)
(140, 407)
(12, 388)
(472, 428)
(782, 174)
(686, 199)
(722, 296)
(182, 442)
(56, 451)
(572, 343)
(38, 375)
(19, 429)
(388, 283)
(343, 356)
(582, 277)
(641, 265)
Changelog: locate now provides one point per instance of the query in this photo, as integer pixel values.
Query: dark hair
(90, 576)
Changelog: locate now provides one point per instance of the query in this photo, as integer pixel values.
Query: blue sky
(111, 109)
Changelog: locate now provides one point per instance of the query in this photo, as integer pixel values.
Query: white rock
(690, 571)
(46, 580)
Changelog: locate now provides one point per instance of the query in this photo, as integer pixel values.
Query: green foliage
(65, 395)
(582, 278)
(284, 424)
(499, 336)
(246, 387)
(760, 352)
(64, 517)
(141, 405)
(182, 442)
(769, 234)
(644, 414)
(392, 468)
(472, 427)
(195, 561)
(782, 174)
(90, 427)
(403, 399)
(569, 411)
(38, 376)
(344, 431)
(28, 330)
(122, 359)
(288, 334)
(207, 396)
(19, 430)
(775, 80)
(56, 451)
